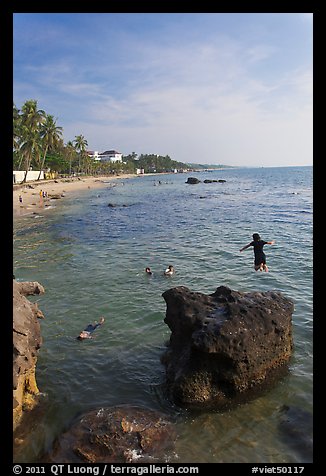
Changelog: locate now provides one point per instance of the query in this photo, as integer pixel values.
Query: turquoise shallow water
(91, 259)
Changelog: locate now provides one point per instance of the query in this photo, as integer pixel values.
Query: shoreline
(32, 202)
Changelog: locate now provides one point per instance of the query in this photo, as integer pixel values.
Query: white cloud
(210, 100)
(233, 130)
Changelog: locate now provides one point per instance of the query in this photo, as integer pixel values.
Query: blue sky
(227, 88)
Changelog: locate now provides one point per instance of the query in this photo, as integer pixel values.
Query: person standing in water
(260, 257)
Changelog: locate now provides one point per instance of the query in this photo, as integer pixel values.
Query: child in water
(169, 270)
(260, 258)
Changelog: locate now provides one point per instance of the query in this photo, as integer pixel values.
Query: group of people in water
(170, 271)
(260, 258)
(259, 264)
(88, 331)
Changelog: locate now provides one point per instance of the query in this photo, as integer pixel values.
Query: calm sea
(91, 257)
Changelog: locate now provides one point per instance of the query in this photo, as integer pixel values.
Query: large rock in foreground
(224, 345)
(121, 434)
(26, 342)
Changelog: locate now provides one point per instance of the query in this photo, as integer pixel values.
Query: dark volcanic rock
(214, 181)
(121, 434)
(225, 344)
(193, 180)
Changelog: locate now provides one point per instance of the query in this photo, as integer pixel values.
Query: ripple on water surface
(91, 260)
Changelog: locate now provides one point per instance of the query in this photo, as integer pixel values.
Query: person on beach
(169, 271)
(148, 271)
(260, 257)
(20, 199)
(86, 333)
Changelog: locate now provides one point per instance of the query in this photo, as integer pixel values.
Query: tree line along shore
(38, 144)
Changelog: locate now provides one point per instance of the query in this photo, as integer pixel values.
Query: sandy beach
(32, 200)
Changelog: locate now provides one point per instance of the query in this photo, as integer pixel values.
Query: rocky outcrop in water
(193, 180)
(224, 345)
(26, 342)
(214, 181)
(122, 434)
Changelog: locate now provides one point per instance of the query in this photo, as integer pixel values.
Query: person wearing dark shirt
(86, 333)
(260, 257)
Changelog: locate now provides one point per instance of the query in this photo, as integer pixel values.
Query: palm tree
(29, 148)
(17, 135)
(31, 118)
(16, 127)
(50, 134)
(80, 145)
(70, 152)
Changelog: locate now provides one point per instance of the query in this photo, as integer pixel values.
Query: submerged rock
(224, 345)
(122, 434)
(26, 343)
(296, 430)
(114, 205)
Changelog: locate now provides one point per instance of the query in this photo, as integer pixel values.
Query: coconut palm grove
(38, 144)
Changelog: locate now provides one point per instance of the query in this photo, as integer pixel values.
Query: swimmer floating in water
(148, 271)
(86, 333)
(169, 270)
(260, 257)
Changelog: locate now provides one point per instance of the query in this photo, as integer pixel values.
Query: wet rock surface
(225, 345)
(122, 434)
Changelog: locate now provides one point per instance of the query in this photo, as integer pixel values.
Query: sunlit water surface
(90, 257)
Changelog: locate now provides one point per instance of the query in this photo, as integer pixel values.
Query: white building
(107, 156)
(93, 154)
(110, 155)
